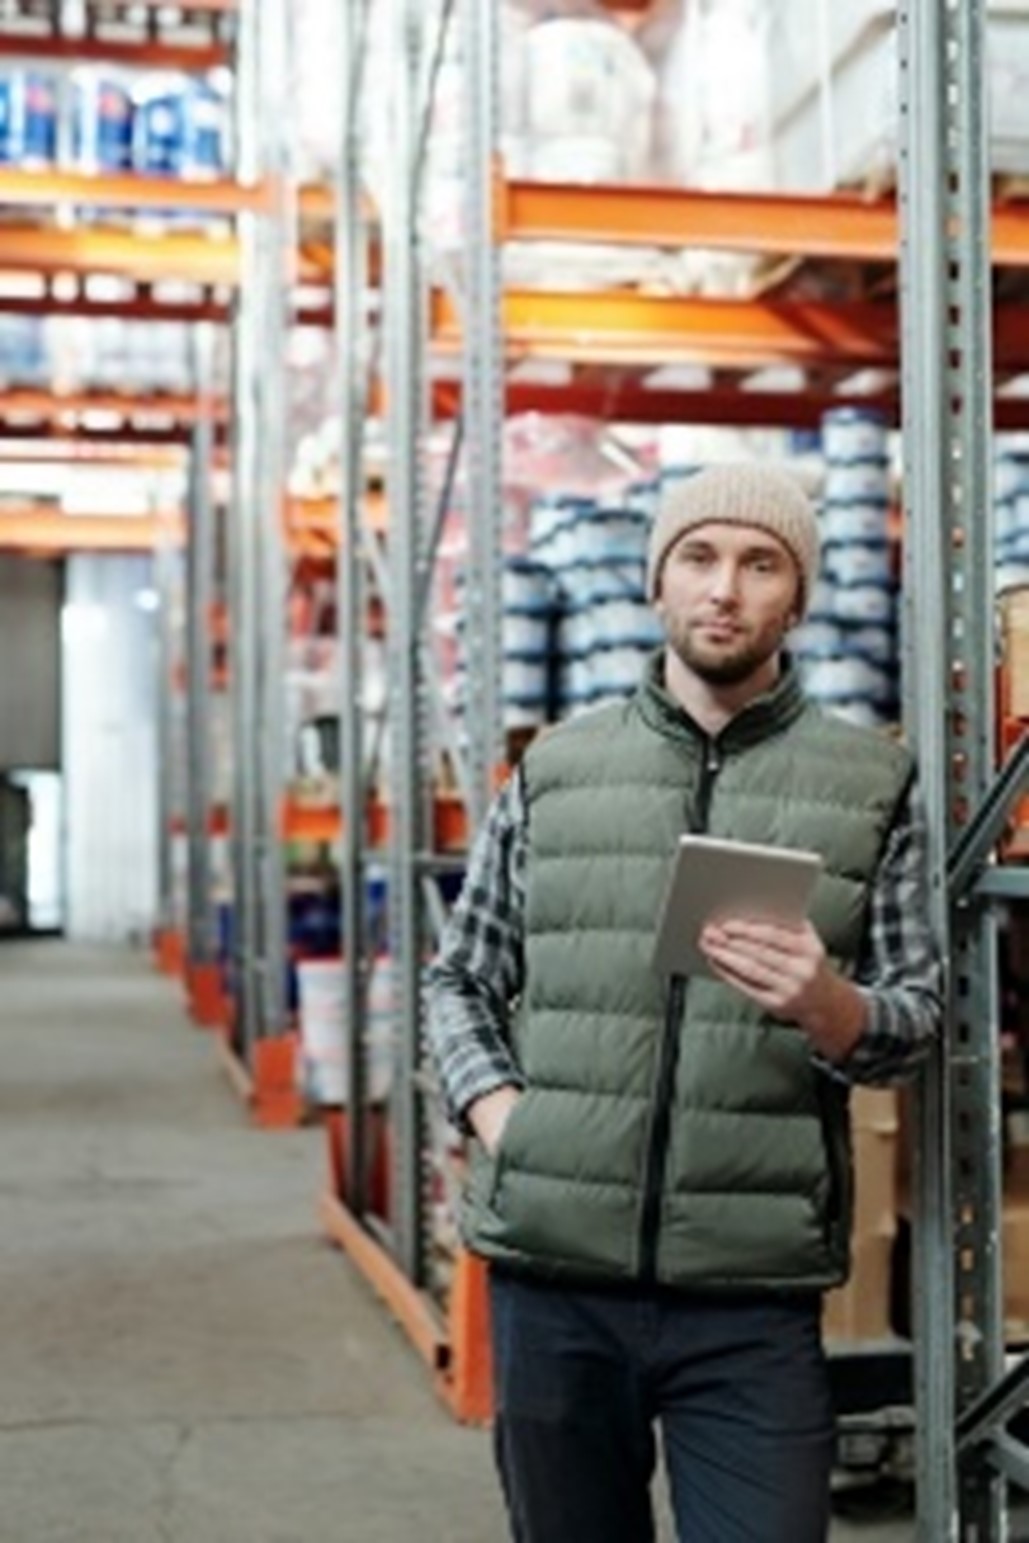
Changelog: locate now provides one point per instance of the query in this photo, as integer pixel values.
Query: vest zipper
(668, 1058)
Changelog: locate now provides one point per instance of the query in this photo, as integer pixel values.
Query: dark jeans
(739, 1388)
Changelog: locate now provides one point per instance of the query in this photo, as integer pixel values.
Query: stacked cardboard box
(861, 1309)
(1013, 698)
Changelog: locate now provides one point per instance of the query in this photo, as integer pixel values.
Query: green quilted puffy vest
(708, 1152)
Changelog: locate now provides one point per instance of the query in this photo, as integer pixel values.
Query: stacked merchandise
(24, 357)
(1011, 513)
(847, 647)
(319, 986)
(527, 620)
(589, 95)
(108, 121)
(596, 554)
(527, 606)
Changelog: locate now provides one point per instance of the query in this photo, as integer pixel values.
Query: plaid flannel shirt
(478, 973)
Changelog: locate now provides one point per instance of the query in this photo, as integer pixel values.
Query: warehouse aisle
(182, 1359)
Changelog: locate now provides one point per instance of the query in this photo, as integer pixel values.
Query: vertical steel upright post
(483, 398)
(257, 587)
(945, 269)
(272, 302)
(351, 334)
(199, 604)
(404, 322)
(165, 566)
(243, 549)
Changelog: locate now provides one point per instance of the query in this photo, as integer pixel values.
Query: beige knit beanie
(746, 494)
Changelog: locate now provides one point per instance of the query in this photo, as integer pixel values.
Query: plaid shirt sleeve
(477, 974)
(901, 972)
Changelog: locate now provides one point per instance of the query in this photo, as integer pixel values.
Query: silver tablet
(712, 880)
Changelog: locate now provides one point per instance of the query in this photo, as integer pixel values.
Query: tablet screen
(713, 879)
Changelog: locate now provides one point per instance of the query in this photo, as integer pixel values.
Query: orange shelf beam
(44, 189)
(627, 327)
(198, 258)
(45, 532)
(834, 225)
(193, 257)
(592, 327)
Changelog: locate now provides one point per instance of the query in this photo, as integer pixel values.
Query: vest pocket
(506, 1147)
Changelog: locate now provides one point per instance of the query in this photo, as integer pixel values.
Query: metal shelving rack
(256, 558)
(963, 1394)
(397, 1249)
(241, 278)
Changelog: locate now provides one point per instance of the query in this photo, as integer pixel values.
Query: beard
(731, 664)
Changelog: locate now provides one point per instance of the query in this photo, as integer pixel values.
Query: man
(661, 1177)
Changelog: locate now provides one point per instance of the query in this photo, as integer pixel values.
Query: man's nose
(725, 582)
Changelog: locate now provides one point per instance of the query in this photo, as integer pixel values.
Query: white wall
(110, 748)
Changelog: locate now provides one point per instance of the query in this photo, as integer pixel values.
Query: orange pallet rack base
(269, 1090)
(455, 1349)
(206, 998)
(169, 951)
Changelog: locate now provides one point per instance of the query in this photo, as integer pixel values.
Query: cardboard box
(1015, 1255)
(860, 1310)
(1014, 636)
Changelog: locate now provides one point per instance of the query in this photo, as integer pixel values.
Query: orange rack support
(466, 1383)
(205, 995)
(277, 1104)
(169, 951)
(269, 1091)
(412, 1308)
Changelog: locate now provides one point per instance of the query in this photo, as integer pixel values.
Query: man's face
(728, 595)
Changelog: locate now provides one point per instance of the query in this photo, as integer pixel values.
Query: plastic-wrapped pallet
(714, 124)
(834, 90)
(589, 103)
(714, 114)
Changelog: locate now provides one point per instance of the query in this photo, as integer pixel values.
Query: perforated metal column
(949, 619)
(256, 546)
(199, 604)
(483, 397)
(351, 339)
(410, 774)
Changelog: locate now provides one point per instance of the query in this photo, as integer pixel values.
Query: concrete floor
(182, 1358)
